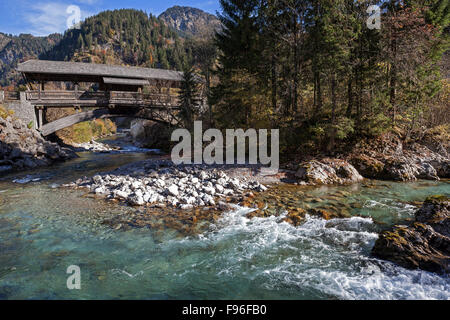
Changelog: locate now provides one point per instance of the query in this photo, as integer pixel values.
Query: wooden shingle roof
(126, 81)
(60, 68)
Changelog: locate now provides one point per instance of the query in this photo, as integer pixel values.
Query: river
(44, 229)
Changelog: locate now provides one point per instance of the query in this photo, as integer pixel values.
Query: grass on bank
(83, 131)
(89, 130)
(5, 113)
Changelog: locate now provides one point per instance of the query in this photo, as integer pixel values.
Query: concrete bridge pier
(23, 109)
(40, 116)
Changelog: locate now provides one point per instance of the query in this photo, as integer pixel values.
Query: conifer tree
(189, 99)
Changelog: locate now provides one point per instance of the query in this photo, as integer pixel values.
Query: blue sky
(42, 17)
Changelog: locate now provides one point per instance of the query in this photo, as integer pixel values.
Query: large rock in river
(367, 166)
(328, 171)
(425, 244)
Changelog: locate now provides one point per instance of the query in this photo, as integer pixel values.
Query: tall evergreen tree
(189, 99)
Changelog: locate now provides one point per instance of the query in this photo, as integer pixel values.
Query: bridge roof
(126, 81)
(61, 70)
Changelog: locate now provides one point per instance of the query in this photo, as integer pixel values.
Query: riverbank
(389, 157)
(203, 194)
(22, 147)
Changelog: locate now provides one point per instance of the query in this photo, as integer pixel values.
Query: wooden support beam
(162, 115)
(65, 122)
(68, 121)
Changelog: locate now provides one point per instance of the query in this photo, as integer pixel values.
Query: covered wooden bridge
(112, 90)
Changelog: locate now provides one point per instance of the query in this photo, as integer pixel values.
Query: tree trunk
(350, 98)
(360, 86)
(392, 85)
(208, 86)
(295, 102)
(331, 142)
(274, 84)
(333, 98)
(393, 81)
(319, 95)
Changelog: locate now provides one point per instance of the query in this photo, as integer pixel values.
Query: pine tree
(189, 99)
(80, 41)
(204, 55)
(237, 62)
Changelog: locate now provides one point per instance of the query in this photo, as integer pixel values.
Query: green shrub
(5, 113)
(376, 125)
(91, 130)
(343, 127)
(82, 132)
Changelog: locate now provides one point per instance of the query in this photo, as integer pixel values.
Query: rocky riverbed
(142, 252)
(94, 146)
(24, 148)
(189, 197)
(161, 183)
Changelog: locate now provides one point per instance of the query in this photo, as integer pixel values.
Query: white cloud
(207, 6)
(88, 1)
(49, 17)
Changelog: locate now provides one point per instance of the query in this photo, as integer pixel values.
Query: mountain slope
(15, 49)
(124, 37)
(191, 21)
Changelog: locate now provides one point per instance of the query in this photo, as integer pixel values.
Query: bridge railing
(104, 97)
(157, 99)
(10, 95)
(160, 99)
(124, 97)
(64, 95)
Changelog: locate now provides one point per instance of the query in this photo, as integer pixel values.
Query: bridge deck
(63, 99)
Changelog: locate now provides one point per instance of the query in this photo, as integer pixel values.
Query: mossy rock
(368, 167)
(394, 237)
(424, 245)
(296, 217)
(324, 214)
(437, 199)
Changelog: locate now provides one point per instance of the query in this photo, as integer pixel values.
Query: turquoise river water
(45, 229)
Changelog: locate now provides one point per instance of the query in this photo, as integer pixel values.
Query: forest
(314, 69)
